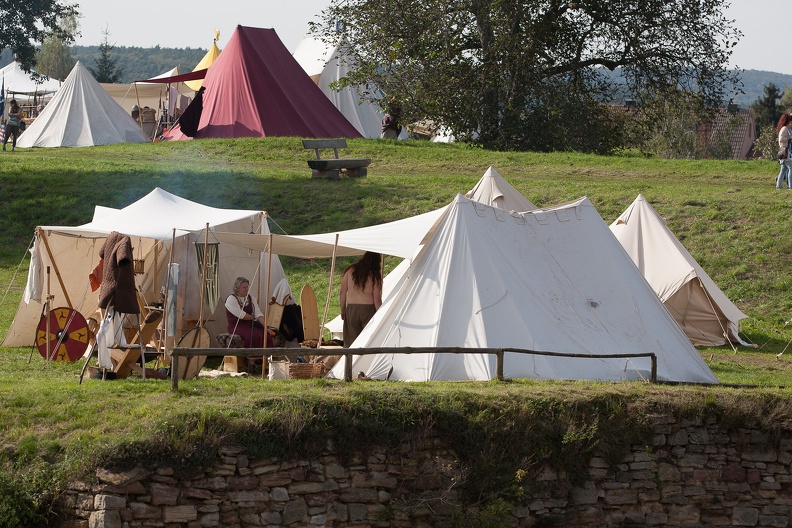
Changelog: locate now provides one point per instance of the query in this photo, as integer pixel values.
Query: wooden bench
(331, 167)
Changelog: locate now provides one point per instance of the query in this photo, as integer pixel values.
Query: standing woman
(361, 294)
(12, 126)
(784, 132)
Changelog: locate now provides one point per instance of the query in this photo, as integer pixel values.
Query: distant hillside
(754, 82)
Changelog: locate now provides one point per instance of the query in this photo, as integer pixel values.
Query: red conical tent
(255, 88)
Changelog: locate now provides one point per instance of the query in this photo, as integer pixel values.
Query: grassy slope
(726, 213)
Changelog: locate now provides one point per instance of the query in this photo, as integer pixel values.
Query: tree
(785, 104)
(23, 24)
(54, 59)
(766, 111)
(106, 70)
(526, 74)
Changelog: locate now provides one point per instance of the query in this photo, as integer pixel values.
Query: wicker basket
(307, 370)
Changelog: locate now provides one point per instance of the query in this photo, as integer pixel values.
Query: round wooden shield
(68, 335)
(197, 337)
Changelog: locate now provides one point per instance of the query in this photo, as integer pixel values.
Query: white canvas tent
(703, 311)
(336, 63)
(18, 82)
(550, 280)
(156, 223)
(81, 114)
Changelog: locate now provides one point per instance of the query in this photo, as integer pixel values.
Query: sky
(193, 24)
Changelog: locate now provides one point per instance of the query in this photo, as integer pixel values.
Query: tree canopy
(526, 74)
(54, 58)
(23, 25)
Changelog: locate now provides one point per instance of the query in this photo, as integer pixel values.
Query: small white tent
(81, 114)
(551, 280)
(156, 223)
(703, 311)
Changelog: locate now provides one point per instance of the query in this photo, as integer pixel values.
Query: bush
(766, 144)
(19, 505)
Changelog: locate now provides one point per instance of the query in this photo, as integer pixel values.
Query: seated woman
(244, 316)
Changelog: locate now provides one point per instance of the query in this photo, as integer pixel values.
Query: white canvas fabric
(156, 223)
(81, 114)
(17, 81)
(312, 55)
(326, 65)
(703, 311)
(493, 190)
(554, 281)
(398, 238)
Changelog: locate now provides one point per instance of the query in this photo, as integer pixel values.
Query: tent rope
(725, 332)
(16, 272)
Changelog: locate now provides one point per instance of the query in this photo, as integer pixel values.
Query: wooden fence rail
(349, 352)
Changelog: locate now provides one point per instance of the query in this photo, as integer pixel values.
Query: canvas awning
(400, 238)
(189, 76)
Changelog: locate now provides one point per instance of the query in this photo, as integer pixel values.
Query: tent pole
(203, 276)
(165, 313)
(329, 292)
(266, 304)
(47, 316)
(140, 110)
(55, 267)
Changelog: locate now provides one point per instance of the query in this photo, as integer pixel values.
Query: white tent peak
(704, 312)
(81, 114)
(492, 189)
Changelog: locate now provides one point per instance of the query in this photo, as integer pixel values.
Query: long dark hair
(368, 267)
(782, 121)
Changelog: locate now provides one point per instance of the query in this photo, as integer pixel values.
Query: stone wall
(695, 474)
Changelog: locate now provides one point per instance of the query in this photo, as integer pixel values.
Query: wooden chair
(125, 358)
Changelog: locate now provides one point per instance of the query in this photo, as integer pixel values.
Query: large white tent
(552, 280)
(703, 311)
(81, 114)
(157, 223)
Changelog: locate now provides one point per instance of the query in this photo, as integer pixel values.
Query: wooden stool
(231, 363)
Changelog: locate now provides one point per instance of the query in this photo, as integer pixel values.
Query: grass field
(726, 213)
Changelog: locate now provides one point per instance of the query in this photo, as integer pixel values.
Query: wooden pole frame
(43, 237)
